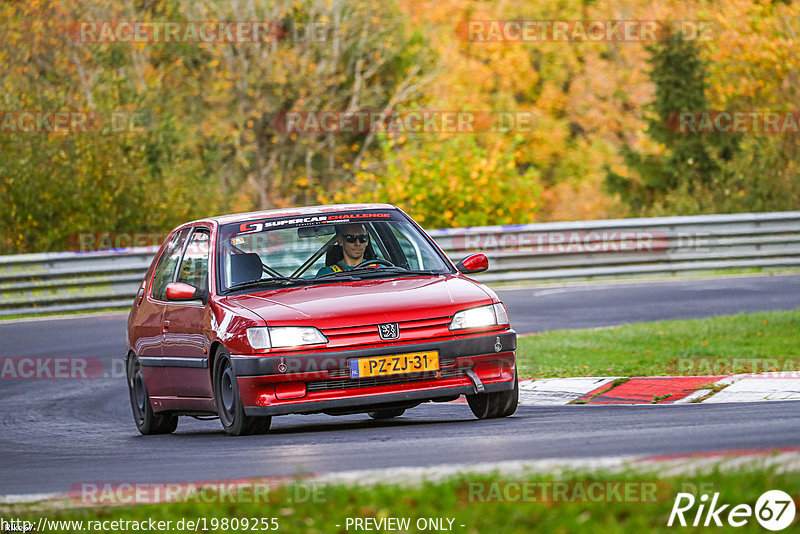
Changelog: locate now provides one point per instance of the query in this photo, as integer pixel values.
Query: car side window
(194, 266)
(165, 270)
(416, 253)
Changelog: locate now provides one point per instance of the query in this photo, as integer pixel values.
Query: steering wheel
(379, 261)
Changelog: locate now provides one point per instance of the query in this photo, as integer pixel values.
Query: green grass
(720, 345)
(453, 498)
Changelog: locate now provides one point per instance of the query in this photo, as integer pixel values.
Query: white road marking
(558, 391)
(761, 387)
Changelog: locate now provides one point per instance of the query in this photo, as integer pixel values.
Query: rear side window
(165, 270)
(194, 266)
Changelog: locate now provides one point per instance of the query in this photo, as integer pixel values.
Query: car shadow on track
(294, 425)
(366, 424)
(319, 427)
(419, 417)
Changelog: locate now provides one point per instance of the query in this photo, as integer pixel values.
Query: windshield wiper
(341, 274)
(276, 280)
(404, 272)
(377, 271)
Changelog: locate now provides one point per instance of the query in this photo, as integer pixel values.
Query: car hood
(365, 302)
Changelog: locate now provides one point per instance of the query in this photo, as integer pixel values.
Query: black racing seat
(245, 267)
(334, 254)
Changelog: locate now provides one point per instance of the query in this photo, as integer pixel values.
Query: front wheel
(493, 405)
(147, 421)
(229, 402)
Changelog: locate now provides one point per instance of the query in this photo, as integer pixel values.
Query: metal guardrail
(631, 247)
(66, 281)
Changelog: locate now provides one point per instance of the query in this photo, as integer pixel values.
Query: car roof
(290, 212)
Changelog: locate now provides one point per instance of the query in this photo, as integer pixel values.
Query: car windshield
(323, 248)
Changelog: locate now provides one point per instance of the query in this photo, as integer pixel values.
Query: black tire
(147, 421)
(389, 413)
(494, 405)
(229, 402)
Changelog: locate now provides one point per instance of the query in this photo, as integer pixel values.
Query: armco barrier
(630, 247)
(65, 281)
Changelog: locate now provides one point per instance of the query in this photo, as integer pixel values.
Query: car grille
(348, 383)
(408, 331)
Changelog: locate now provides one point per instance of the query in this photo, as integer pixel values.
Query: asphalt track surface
(55, 434)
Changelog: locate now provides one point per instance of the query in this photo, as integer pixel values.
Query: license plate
(415, 362)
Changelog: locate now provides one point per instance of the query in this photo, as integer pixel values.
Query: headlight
(492, 315)
(263, 337)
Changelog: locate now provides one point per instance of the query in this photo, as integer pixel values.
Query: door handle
(165, 326)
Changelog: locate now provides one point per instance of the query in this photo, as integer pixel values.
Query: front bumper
(317, 382)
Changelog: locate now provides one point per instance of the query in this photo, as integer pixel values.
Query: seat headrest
(245, 267)
(334, 255)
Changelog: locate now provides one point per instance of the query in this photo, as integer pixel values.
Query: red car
(331, 309)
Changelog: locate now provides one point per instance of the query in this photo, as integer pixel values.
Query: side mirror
(474, 263)
(180, 291)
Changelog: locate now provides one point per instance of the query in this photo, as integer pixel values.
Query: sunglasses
(361, 238)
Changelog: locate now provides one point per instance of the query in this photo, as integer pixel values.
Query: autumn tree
(334, 56)
(143, 176)
(682, 178)
(462, 183)
(208, 142)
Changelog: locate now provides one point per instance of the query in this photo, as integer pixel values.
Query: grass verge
(754, 342)
(620, 503)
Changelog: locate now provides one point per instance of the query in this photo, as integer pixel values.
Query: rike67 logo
(774, 510)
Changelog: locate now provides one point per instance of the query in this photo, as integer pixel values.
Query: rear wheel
(229, 402)
(386, 414)
(147, 421)
(493, 405)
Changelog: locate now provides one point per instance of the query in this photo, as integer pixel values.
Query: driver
(353, 239)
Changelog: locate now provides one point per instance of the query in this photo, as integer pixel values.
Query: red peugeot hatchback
(332, 309)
